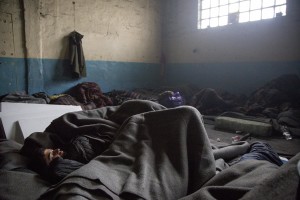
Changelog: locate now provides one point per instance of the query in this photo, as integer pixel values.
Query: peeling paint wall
(238, 58)
(133, 34)
(118, 33)
(12, 71)
(11, 43)
(114, 30)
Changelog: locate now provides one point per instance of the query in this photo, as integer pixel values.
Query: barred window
(214, 13)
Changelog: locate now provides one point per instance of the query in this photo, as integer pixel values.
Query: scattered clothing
(42, 95)
(22, 97)
(262, 151)
(88, 93)
(171, 99)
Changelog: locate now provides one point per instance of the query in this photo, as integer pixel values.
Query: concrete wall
(124, 39)
(238, 58)
(12, 71)
(122, 43)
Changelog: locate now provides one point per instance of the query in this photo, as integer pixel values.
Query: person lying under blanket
(55, 164)
(74, 139)
(142, 150)
(59, 167)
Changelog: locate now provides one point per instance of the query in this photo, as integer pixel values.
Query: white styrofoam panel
(39, 113)
(9, 107)
(31, 125)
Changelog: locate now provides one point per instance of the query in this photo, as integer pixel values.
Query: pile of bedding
(277, 102)
(155, 153)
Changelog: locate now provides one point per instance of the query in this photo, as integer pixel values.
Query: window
(214, 13)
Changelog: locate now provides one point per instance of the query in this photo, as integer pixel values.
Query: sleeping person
(138, 138)
(55, 164)
(74, 139)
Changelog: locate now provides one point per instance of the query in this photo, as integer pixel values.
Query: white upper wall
(268, 40)
(114, 30)
(122, 30)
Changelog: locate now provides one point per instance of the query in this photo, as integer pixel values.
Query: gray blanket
(156, 153)
(161, 154)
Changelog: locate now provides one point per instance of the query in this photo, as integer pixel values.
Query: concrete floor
(283, 147)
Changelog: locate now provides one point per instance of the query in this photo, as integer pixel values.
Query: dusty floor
(283, 147)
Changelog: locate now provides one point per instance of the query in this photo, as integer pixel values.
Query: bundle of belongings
(23, 97)
(171, 99)
(141, 150)
(87, 94)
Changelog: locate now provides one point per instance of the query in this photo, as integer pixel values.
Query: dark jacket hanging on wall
(77, 60)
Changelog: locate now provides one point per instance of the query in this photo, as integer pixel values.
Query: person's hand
(50, 154)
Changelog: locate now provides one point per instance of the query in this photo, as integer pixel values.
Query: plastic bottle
(286, 133)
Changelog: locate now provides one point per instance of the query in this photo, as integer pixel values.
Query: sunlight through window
(214, 13)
